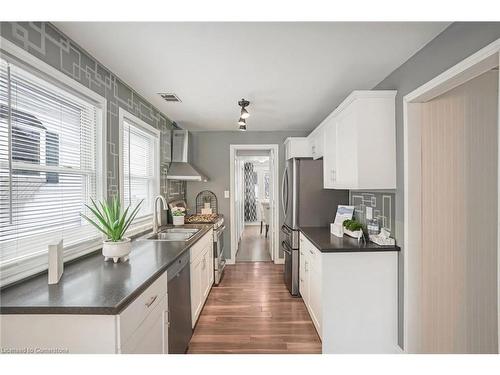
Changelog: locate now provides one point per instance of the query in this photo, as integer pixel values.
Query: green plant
(110, 219)
(352, 225)
(179, 211)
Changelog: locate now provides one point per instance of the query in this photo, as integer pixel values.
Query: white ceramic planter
(117, 250)
(356, 234)
(178, 220)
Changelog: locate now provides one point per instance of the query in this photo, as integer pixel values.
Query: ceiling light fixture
(243, 114)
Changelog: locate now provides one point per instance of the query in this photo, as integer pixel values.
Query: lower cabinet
(351, 297)
(202, 274)
(142, 328)
(310, 280)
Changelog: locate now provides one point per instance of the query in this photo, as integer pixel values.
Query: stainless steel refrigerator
(305, 203)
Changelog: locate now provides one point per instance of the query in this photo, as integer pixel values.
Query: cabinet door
(329, 156)
(346, 151)
(205, 277)
(195, 289)
(303, 274)
(152, 335)
(210, 257)
(315, 288)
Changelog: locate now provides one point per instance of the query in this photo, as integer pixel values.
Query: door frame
(469, 68)
(274, 148)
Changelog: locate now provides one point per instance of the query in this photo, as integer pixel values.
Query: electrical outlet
(369, 213)
(226, 193)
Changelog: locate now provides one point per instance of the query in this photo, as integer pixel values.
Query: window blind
(48, 148)
(139, 174)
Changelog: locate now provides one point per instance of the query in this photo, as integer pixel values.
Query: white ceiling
(294, 74)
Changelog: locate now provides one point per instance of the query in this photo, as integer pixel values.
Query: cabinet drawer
(132, 317)
(199, 247)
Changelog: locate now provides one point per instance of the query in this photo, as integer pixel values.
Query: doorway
(451, 262)
(253, 243)
(254, 217)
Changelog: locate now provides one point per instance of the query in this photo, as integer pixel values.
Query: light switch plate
(226, 193)
(369, 213)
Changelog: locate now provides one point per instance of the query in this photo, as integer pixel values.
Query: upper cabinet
(316, 142)
(359, 142)
(297, 147)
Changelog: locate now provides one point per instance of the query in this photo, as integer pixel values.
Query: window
(51, 164)
(139, 160)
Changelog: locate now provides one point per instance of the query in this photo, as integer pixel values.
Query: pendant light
(243, 114)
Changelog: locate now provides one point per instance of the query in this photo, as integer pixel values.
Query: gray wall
(457, 42)
(46, 42)
(210, 154)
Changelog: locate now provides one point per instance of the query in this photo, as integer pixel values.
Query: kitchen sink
(171, 234)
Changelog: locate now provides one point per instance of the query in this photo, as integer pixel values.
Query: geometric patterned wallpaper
(382, 204)
(46, 42)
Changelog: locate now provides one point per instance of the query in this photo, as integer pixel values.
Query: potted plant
(353, 228)
(178, 214)
(113, 222)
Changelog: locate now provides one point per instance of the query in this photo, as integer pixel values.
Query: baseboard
(279, 261)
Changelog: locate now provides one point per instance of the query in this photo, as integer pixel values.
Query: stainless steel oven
(219, 259)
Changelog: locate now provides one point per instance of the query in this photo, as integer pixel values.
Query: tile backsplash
(383, 204)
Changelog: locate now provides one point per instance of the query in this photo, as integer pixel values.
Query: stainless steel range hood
(180, 169)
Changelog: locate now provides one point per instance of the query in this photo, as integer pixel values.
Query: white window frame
(17, 271)
(145, 222)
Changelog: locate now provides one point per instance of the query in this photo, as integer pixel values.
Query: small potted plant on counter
(353, 228)
(178, 214)
(113, 223)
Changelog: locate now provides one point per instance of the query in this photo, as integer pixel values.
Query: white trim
(473, 66)
(46, 73)
(274, 148)
(141, 222)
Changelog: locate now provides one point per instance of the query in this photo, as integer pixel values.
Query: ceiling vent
(169, 97)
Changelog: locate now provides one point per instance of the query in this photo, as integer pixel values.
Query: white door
(272, 204)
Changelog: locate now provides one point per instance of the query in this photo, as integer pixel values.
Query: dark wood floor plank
(251, 311)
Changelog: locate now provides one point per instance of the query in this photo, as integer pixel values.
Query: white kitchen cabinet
(316, 142)
(142, 327)
(351, 298)
(329, 153)
(310, 280)
(297, 147)
(360, 142)
(196, 285)
(202, 274)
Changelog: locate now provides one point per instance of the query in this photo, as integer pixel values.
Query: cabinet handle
(311, 252)
(151, 300)
(167, 318)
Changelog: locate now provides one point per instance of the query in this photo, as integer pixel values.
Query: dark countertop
(328, 243)
(92, 286)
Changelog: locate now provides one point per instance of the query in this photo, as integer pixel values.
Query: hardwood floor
(254, 247)
(251, 311)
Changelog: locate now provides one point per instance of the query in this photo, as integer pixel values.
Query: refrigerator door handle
(286, 248)
(283, 202)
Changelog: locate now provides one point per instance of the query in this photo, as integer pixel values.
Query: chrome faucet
(155, 211)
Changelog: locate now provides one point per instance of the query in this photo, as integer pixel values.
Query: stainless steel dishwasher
(179, 305)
